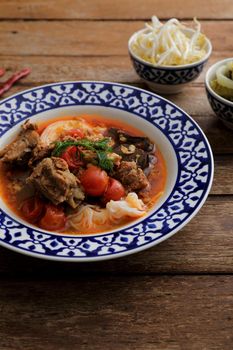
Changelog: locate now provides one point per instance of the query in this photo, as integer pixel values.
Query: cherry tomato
(32, 209)
(114, 191)
(53, 219)
(72, 157)
(75, 133)
(94, 180)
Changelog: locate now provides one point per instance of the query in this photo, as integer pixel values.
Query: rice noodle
(168, 43)
(90, 216)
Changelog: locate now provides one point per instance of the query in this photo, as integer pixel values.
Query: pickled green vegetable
(223, 84)
(222, 90)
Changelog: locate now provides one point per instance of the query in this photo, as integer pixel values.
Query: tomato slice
(77, 133)
(32, 209)
(72, 157)
(114, 191)
(53, 219)
(94, 180)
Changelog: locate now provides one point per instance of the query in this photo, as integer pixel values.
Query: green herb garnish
(103, 161)
(101, 148)
(60, 146)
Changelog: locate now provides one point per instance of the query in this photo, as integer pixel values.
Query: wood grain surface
(175, 296)
(87, 38)
(142, 312)
(117, 10)
(48, 69)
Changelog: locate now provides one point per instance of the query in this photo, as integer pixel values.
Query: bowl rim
(174, 68)
(212, 69)
(140, 248)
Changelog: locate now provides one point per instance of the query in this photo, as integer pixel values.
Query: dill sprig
(100, 147)
(104, 161)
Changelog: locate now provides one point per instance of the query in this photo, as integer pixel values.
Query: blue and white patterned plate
(186, 150)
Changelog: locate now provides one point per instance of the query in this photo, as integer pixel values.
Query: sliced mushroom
(129, 153)
(138, 141)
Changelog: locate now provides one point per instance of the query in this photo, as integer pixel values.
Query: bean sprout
(170, 43)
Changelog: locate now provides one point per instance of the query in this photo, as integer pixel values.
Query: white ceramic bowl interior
(151, 131)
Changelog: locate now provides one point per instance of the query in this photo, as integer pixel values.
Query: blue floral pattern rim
(223, 110)
(167, 76)
(195, 171)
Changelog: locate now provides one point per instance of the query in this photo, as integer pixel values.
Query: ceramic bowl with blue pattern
(185, 148)
(223, 108)
(167, 79)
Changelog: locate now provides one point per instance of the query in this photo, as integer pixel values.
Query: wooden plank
(78, 38)
(122, 9)
(108, 68)
(223, 183)
(51, 69)
(202, 246)
(219, 136)
(192, 312)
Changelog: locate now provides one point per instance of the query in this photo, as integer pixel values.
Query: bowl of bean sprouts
(168, 56)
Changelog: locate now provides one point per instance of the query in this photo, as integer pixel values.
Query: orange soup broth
(157, 176)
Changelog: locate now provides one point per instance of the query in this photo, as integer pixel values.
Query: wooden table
(175, 296)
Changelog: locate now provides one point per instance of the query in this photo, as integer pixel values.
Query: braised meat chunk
(53, 179)
(39, 152)
(131, 176)
(19, 151)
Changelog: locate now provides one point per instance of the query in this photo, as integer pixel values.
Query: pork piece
(131, 176)
(53, 179)
(20, 150)
(129, 153)
(121, 137)
(39, 152)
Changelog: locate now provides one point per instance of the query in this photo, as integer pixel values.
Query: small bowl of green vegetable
(219, 89)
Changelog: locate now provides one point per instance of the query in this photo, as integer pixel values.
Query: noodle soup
(81, 175)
